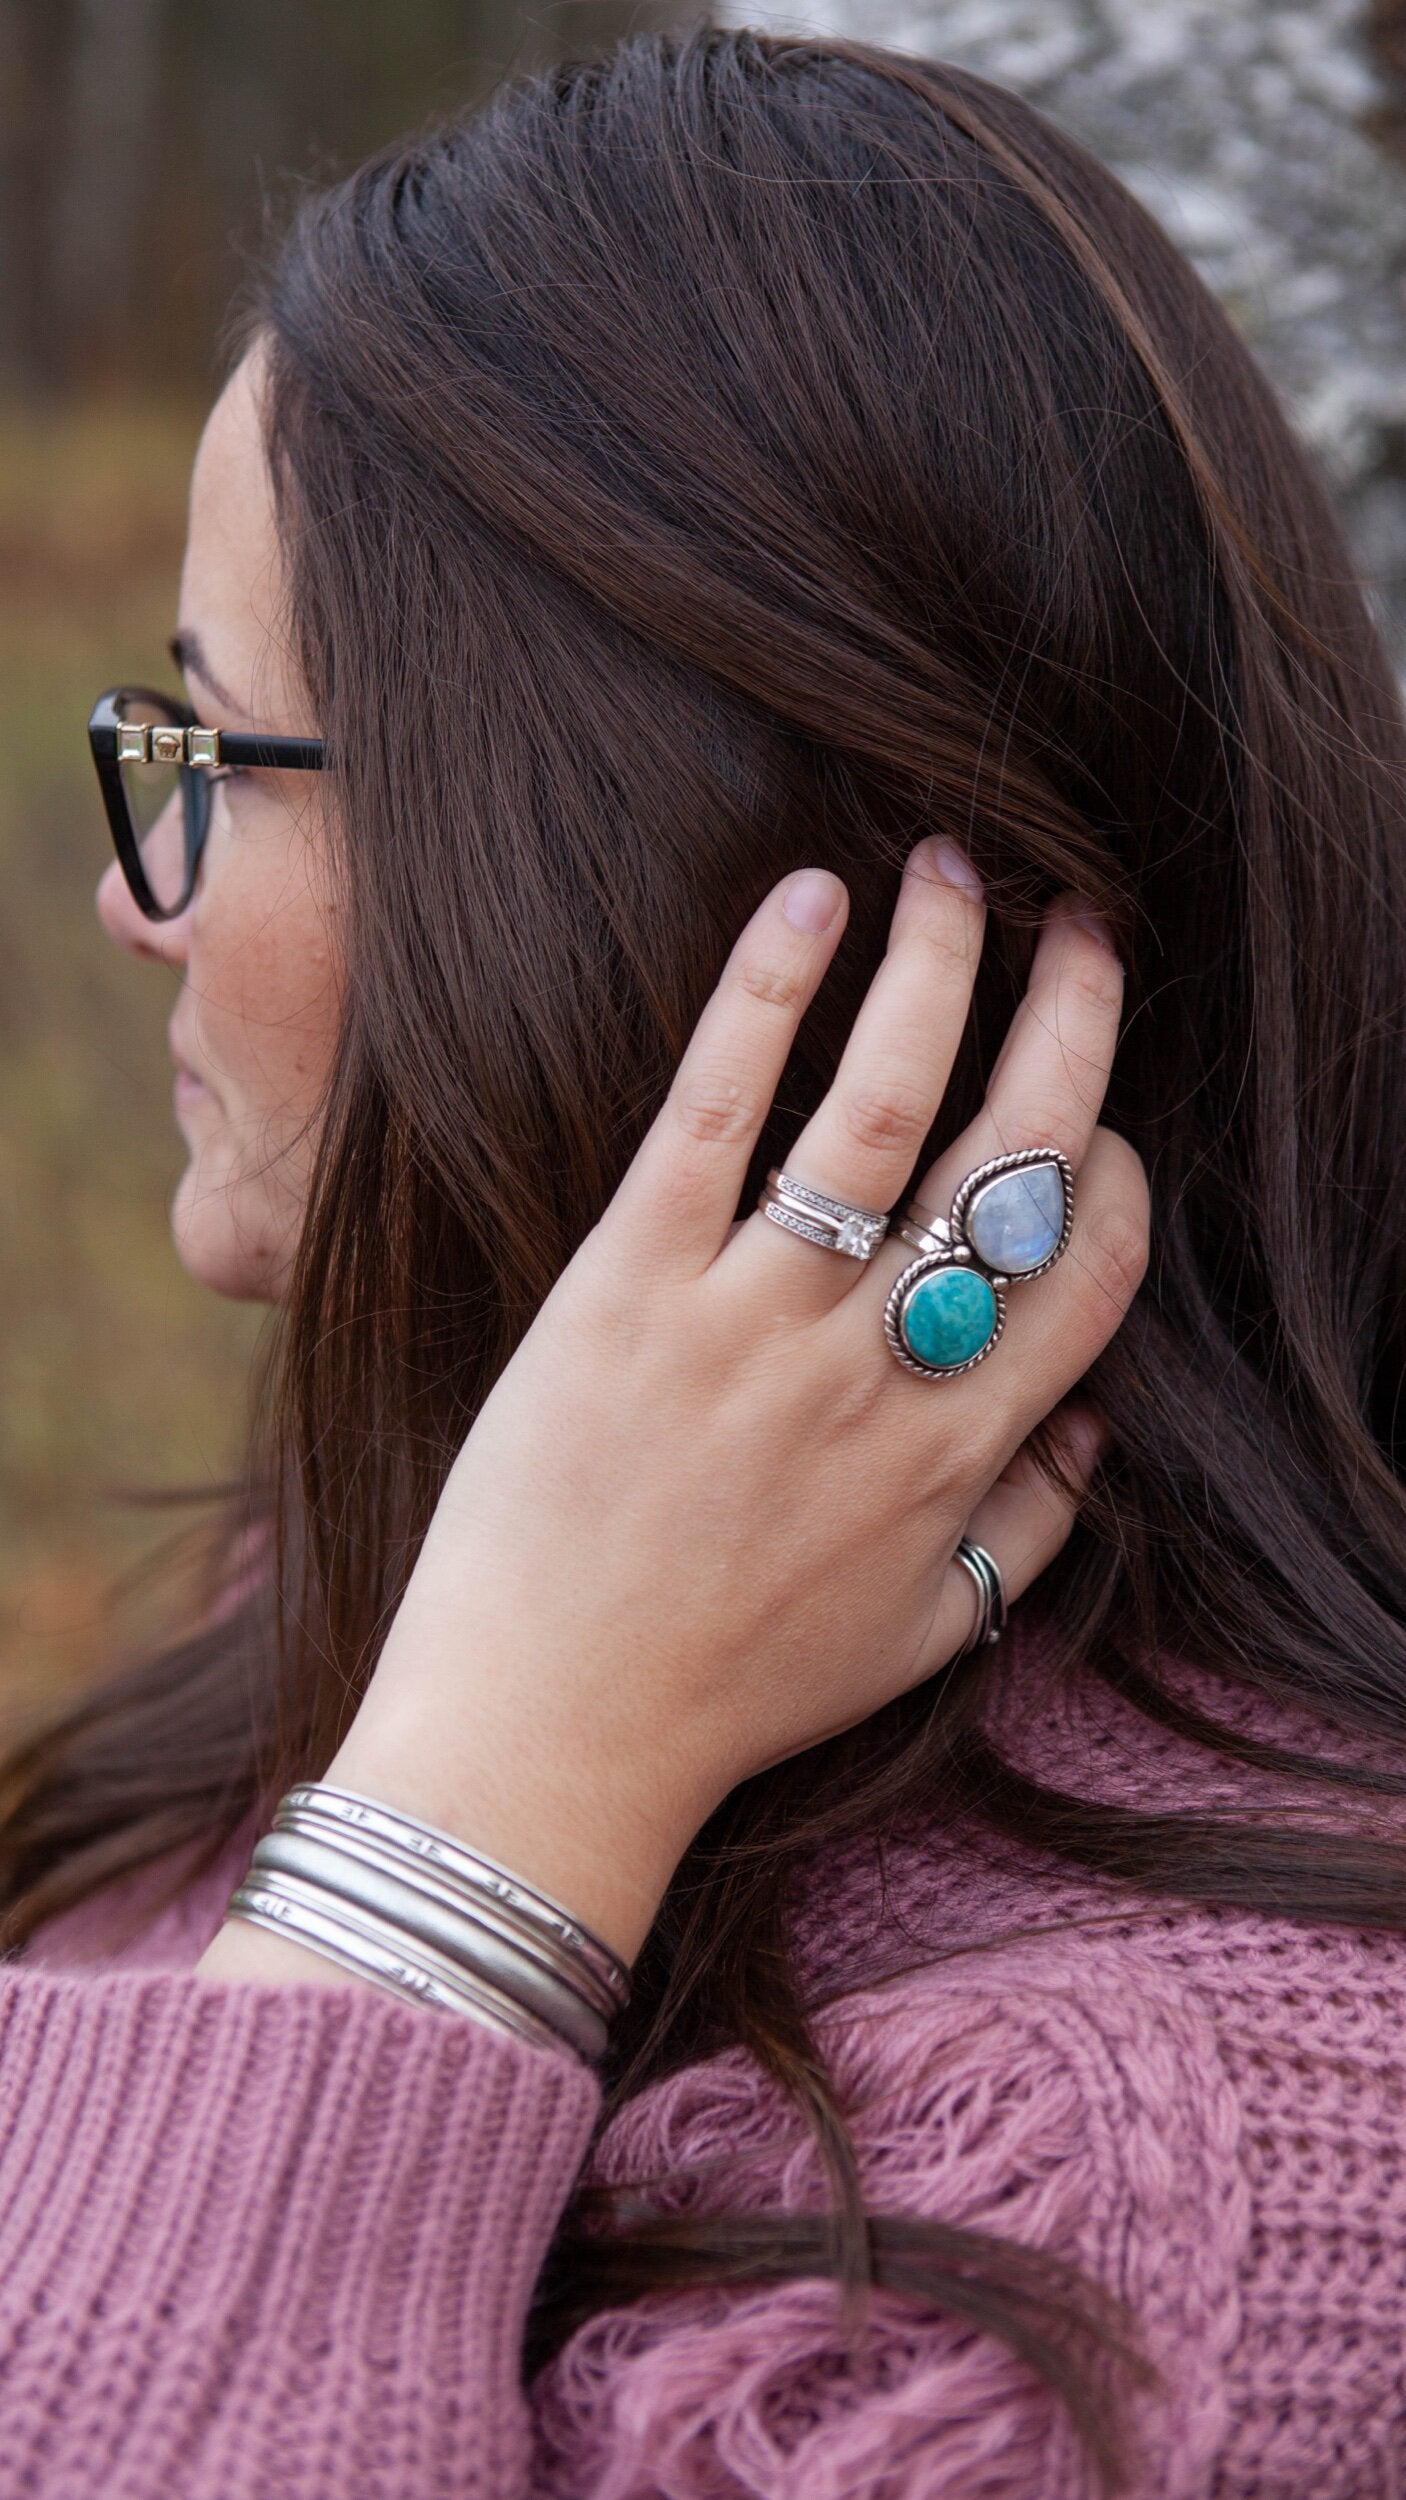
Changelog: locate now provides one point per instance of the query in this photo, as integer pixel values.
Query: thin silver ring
(935, 1234)
(812, 1215)
(991, 1607)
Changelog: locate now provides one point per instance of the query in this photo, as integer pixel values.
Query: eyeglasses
(151, 752)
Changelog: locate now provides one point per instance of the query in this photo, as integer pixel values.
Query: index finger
(680, 1193)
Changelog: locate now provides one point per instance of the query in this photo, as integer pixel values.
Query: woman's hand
(705, 1519)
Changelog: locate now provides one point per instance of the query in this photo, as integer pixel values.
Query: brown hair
(735, 453)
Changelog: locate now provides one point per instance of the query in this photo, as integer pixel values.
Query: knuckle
(951, 940)
(1042, 1121)
(885, 1117)
(1093, 980)
(612, 1306)
(992, 1415)
(773, 984)
(1122, 1165)
(1052, 1513)
(852, 1401)
(1117, 1251)
(715, 1108)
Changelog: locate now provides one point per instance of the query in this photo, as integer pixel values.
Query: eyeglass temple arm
(145, 742)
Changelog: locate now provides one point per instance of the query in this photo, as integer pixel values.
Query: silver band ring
(1010, 1220)
(991, 1607)
(832, 1223)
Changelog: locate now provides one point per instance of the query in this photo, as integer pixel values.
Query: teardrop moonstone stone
(948, 1317)
(1015, 1222)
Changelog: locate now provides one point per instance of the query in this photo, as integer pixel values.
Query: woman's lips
(188, 1089)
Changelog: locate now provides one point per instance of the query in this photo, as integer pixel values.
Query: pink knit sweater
(277, 2243)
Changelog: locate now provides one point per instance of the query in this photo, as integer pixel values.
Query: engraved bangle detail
(374, 1949)
(409, 1907)
(460, 1865)
(419, 1877)
(474, 1948)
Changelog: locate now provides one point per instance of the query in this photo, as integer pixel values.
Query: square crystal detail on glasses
(132, 747)
(202, 746)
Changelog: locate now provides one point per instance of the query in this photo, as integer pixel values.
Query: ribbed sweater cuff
(268, 2239)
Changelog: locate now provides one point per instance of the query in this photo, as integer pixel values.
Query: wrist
(592, 1823)
(239, 1951)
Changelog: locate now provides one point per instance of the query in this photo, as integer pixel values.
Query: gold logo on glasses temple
(139, 743)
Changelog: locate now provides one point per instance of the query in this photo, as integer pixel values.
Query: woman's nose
(156, 941)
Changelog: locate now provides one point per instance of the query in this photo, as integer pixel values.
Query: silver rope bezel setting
(943, 1241)
(905, 1284)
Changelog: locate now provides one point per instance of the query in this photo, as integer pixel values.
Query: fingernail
(1097, 928)
(812, 899)
(955, 866)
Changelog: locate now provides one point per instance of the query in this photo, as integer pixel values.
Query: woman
(776, 583)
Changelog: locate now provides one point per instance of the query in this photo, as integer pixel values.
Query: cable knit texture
(277, 2243)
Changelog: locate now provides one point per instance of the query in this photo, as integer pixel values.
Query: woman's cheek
(267, 1002)
(267, 1031)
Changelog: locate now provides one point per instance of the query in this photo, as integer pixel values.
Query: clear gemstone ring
(813, 1216)
(1010, 1220)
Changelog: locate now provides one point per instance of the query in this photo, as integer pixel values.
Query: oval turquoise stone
(948, 1317)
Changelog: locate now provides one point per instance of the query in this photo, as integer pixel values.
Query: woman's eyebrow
(188, 652)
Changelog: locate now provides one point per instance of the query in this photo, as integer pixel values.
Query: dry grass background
(115, 1369)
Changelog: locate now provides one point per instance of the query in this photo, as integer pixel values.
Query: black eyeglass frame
(198, 753)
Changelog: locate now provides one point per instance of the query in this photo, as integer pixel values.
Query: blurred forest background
(146, 146)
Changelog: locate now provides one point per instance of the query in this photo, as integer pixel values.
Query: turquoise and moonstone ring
(1010, 1220)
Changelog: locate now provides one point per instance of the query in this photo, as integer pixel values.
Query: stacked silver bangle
(415, 1911)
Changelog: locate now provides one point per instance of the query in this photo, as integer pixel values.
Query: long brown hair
(735, 453)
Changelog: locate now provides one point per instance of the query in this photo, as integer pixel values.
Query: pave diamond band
(832, 1223)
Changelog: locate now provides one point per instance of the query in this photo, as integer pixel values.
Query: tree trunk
(109, 142)
(1271, 143)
